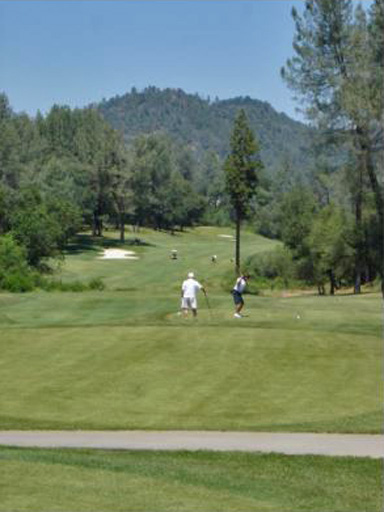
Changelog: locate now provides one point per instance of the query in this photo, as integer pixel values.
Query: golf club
(209, 306)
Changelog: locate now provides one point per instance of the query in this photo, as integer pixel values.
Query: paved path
(357, 445)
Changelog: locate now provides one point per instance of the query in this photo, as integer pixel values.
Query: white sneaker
(237, 315)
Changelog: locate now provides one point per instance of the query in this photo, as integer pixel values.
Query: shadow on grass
(84, 243)
(369, 422)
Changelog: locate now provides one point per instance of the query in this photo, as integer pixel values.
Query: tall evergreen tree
(241, 168)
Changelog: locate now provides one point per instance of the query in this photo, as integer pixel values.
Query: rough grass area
(123, 358)
(84, 480)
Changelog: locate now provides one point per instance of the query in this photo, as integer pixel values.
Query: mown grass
(123, 358)
(154, 271)
(99, 481)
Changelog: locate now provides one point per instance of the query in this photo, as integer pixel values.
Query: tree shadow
(85, 243)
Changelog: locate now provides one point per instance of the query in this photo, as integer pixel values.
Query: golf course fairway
(123, 358)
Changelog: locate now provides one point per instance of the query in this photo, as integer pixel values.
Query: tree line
(70, 171)
(337, 71)
(333, 227)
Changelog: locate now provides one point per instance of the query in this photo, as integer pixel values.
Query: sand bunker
(118, 254)
(231, 237)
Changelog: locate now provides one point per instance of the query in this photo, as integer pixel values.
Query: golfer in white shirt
(189, 290)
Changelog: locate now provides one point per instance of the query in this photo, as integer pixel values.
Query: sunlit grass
(124, 358)
(99, 480)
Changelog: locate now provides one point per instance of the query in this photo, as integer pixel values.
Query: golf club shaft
(209, 306)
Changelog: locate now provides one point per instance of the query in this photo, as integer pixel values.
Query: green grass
(99, 480)
(123, 358)
(154, 271)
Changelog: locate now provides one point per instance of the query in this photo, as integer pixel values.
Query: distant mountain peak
(206, 125)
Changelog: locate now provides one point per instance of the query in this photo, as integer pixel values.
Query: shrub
(274, 269)
(96, 284)
(15, 273)
(18, 282)
(72, 286)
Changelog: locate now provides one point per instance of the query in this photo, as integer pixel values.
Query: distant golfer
(237, 293)
(189, 290)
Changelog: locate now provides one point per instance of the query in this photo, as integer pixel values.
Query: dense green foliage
(205, 125)
(162, 196)
(15, 274)
(337, 70)
(241, 173)
(70, 170)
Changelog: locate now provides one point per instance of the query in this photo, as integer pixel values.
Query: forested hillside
(205, 125)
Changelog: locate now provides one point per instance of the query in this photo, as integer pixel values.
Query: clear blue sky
(75, 52)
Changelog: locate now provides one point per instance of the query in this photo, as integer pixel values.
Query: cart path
(355, 445)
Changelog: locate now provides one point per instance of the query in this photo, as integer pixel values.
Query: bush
(15, 273)
(18, 282)
(274, 269)
(53, 285)
(96, 284)
(72, 286)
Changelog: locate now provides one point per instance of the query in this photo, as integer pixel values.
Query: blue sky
(75, 52)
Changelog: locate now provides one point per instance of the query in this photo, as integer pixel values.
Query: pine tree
(337, 71)
(241, 168)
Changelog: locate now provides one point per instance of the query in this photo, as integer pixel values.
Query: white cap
(191, 275)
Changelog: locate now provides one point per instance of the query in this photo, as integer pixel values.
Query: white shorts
(188, 303)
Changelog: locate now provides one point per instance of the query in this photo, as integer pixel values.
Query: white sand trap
(118, 254)
(231, 238)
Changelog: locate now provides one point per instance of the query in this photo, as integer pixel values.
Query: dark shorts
(237, 297)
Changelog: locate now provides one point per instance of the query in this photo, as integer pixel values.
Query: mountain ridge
(206, 125)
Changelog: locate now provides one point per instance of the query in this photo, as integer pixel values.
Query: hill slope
(205, 125)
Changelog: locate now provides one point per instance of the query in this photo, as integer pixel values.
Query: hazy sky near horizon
(76, 52)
